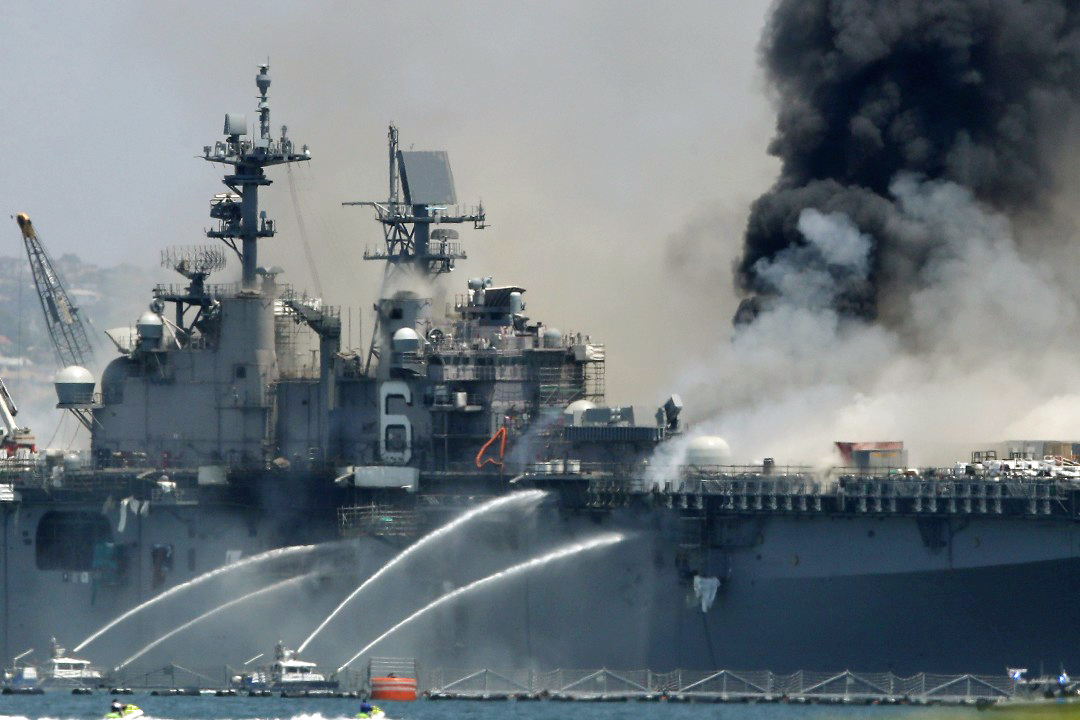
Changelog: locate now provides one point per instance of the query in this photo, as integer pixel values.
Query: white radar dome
(551, 337)
(74, 386)
(405, 340)
(572, 412)
(149, 326)
(708, 450)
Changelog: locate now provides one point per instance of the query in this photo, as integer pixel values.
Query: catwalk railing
(727, 490)
(845, 686)
(714, 490)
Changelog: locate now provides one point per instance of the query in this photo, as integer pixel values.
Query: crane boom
(66, 328)
(7, 414)
(15, 442)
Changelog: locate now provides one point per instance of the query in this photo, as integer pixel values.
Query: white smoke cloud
(808, 276)
(981, 351)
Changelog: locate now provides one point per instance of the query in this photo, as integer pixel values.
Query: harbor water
(62, 706)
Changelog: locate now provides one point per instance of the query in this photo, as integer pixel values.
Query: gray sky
(616, 145)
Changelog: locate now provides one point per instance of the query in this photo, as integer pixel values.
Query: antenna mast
(238, 213)
(427, 184)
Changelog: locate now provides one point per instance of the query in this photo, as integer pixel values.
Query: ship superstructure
(204, 387)
(196, 389)
(215, 436)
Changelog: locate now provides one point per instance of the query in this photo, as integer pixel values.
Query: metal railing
(215, 290)
(955, 495)
(723, 685)
(377, 520)
(23, 473)
(842, 686)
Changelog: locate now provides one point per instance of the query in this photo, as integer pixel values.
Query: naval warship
(215, 436)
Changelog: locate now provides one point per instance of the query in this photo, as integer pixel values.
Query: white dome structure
(74, 386)
(572, 413)
(405, 340)
(150, 326)
(708, 450)
(551, 337)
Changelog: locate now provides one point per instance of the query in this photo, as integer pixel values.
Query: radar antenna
(66, 328)
(427, 184)
(193, 260)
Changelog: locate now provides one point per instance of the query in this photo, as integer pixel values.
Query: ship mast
(237, 213)
(410, 244)
(425, 181)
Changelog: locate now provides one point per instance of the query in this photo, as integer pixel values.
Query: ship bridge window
(66, 540)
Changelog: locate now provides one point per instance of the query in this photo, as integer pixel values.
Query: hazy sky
(615, 145)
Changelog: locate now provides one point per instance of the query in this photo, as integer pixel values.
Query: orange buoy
(401, 689)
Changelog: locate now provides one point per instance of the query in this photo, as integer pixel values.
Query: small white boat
(287, 674)
(22, 679)
(60, 670)
(63, 670)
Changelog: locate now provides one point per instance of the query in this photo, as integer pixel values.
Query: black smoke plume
(973, 92)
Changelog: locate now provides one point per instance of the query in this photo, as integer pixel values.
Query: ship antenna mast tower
(66, 328)
(195, 263)
(410, 242)
(240, 224)
(427, 184)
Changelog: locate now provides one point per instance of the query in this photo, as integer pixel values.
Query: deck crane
(15, 441)
(66, 328)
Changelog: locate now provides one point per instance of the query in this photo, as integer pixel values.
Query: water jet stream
(210, 613)
(259, 558)
(512, 498)
(565, 551)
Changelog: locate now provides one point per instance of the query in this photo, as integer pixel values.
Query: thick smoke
(977, 93)
(902, 279)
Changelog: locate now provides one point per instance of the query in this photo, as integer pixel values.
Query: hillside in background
(107, 297)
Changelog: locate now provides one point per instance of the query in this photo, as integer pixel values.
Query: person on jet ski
(120, 710)
(367, 710)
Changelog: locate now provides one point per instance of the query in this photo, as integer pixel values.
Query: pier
(845, 687)
(604, 685)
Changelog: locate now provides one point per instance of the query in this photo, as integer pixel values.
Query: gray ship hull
(812, 593)
(823, 593)
(979, 620)
(164, 546)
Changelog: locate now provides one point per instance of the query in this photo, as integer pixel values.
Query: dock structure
(604, 685)
(608, 685)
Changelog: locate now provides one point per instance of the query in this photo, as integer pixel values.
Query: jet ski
(129, 712)
(375, 713)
